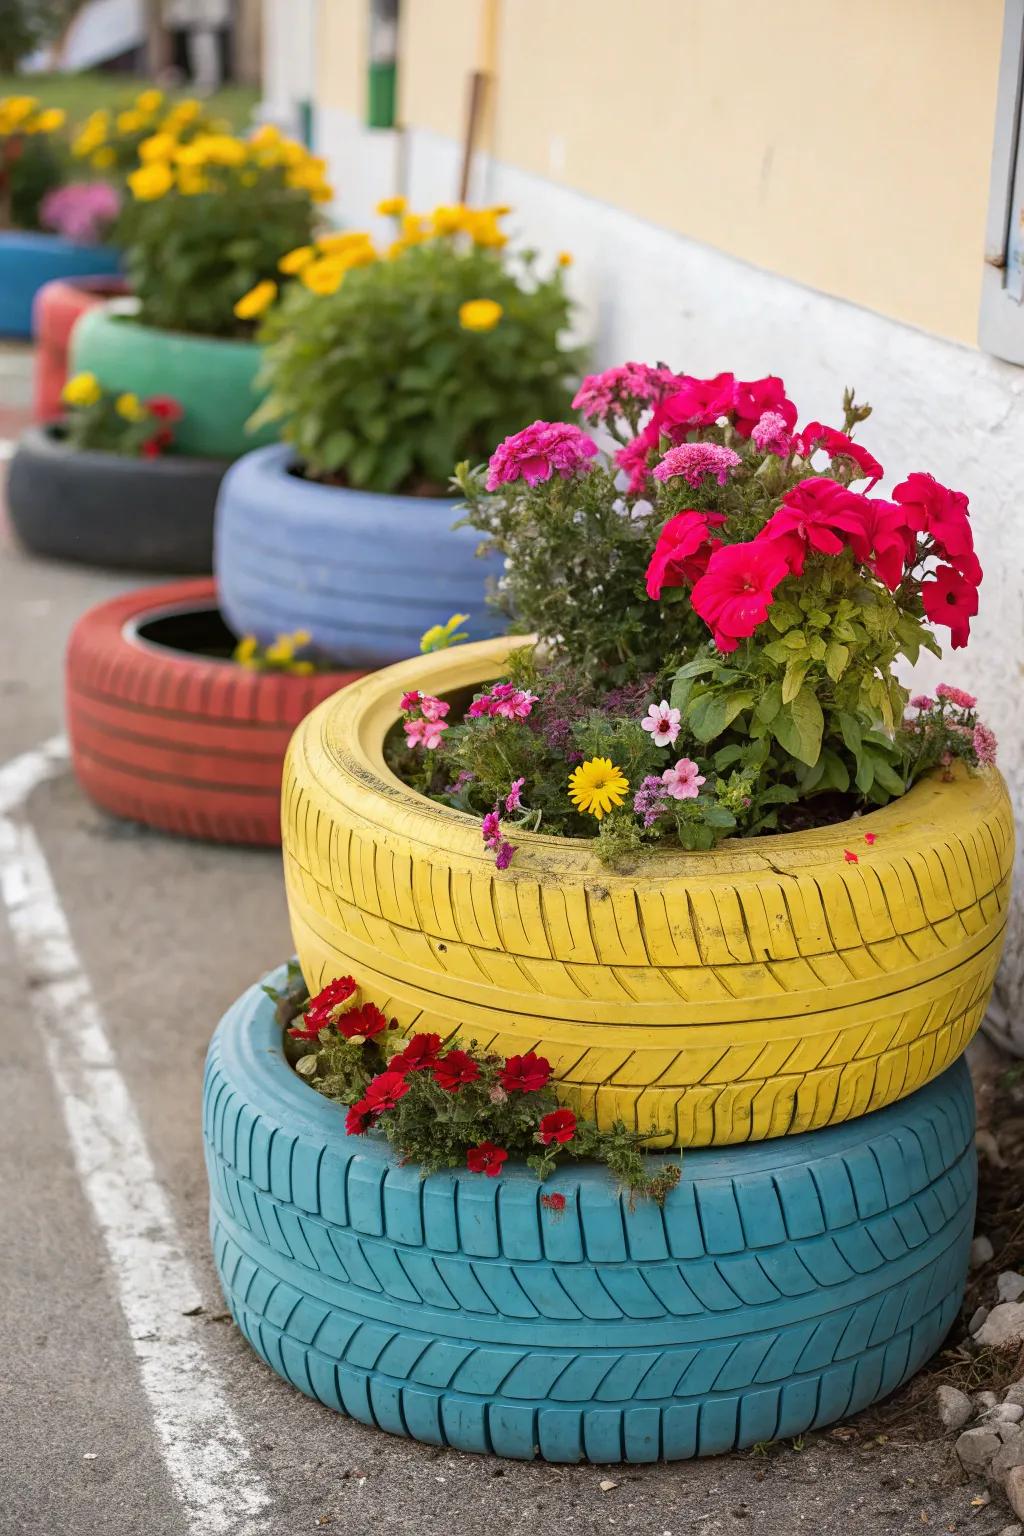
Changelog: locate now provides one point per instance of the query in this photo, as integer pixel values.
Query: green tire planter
(212, 379)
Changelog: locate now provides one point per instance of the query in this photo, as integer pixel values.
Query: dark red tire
(57, 308)
(186, 742)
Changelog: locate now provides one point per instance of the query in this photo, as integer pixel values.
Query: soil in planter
(428, 490)
(196, 631)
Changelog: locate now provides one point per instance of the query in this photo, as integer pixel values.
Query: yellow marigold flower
(480, 314)
(222, 149)
(151, 181)
(293, 154)
(440, 636)
(323, 276)
(186, 110)
(51, 120)
(83, 389)
(414, 228)
(253, 303)
(500, 209)
(302, 668)
(103, 158)
(597, 786)
(397, 248)
(301, 637)
(448, 218)
(15, 109)
(483, 228)
(392, 207)
(159, 146)
(246, 649)
(265, 135)
(191, 181)
(150, 101)
(294, 261)
(130, 407)
(338, 240)
(193, 155)
(565, 258)
(283, 649)
(130, 121)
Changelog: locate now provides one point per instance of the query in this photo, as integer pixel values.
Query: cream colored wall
(340, 43)
(844, 146)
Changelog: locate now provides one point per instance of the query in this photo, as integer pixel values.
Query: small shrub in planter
(118, 423)
(382, 369)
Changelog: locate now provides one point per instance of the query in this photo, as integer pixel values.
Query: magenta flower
(771, 435)
(504, 699)
(638, 384)
(663, 722)
(695, 460)
(513, 801)
(424, 733)
(503, 855)
(538, 452)
(410, 700)
(82, 211)
(922, 701)
(433, 709)
(490, 828)
(683, 781)
(956, 696)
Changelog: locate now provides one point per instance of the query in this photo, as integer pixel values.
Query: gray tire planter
(366, 574)
(106, 509)
(784, 1285)
(212, 379)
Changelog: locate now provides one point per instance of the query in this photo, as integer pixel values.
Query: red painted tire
(176, 737)
(57, 307)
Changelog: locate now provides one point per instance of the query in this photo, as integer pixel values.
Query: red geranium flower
(525, 1074)
(366, 1020)
(952, 600)
(419, 1055)
(317, 1012)
(554, 1202)
(838, 446)
(697, 402)
(683, 549)
(486, 1158)
(164, 408)
(559, 1125)
(453, 1069)
(737, 589)
(808, 519)
(359, 1118)
(758, 396)
(385, 1091)
(933, 508)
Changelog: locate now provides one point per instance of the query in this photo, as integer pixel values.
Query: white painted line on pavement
(203, 1447)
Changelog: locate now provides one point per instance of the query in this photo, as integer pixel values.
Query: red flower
(366, 1020)
(559, 1125)
(359, 1118)
(317, 1013)
(934, 509)
(808, 518)
(838, 446)
(682, 552)
(385, 1091)
(151, 448)
(697, 403)
(525, 1074)
(760, 395)
(164, 408)
(486, 1158)
(453, 1069)
(736, 591)
(553, 1202)
(950, 599)
(851, 858)
(870, 837)
(419, 1055)
(881, 538)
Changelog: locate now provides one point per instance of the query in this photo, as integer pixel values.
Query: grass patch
(81, 94)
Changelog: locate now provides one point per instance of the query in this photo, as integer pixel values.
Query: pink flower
(984, 745)
(433, 709)
(851, 858)
(951, 600)
(879, 536)
(512, 799)
(490, 828)
(944, 514)
(808, 519)
(838, 446)
(737, 589)
(632, 459)
(922, 702)
(698, 402)
(683, 781)
(82, 211)
(870, 838)
(955, 696)
(770, 434)
(695, 460)
(424, 733)
(760, 395)
(682, 552)
(663, 722)
(411, 700)
(506, 700)
(538, 452)
(503, 856)
(633, 384)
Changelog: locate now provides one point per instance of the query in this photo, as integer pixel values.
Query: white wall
(652, 295)
(289, 60)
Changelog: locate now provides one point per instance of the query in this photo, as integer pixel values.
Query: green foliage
(378, 385)
(27, 24)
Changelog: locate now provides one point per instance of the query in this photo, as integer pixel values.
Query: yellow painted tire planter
(760, 990)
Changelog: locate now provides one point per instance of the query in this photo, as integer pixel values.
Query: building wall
(854, 264)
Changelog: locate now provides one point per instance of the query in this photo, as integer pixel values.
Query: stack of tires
(790, 1021)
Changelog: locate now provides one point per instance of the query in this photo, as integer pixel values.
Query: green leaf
(769, 704)
(865, 775)
(850, 728)
(798, 727)
(719, 816)
(887, 776)
(837, 658)
(783, 616)
(793, 680)
(710, 714)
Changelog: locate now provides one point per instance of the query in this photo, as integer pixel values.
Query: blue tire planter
(366, 574)
(28, 260)
(784, 1285)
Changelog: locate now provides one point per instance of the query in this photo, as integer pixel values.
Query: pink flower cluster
(426, 723)
(623, 391)
(82, 211)
(693, 461)
(538, 452)
(504, 700)
(490, 831)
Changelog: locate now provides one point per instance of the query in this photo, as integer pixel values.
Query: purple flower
(82, 210)
(513, 802)
(503, 857)
(651, 799)
(538, 452)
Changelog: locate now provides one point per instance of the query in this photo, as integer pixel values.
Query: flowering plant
(385, 367)
(207, 221)
(116, 141)
(31, 159)
(83, 211)
(721, 621)
(111, 422)
(442, 1105)
(293, 653)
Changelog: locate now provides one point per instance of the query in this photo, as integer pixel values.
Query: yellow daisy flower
(252, 304)
(597, 786)
(83, 389)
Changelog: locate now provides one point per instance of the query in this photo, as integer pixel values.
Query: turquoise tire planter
(784, 1285)
(213, 380)
(28, 260)
(365, 574)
